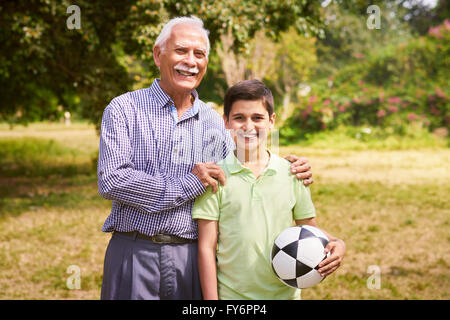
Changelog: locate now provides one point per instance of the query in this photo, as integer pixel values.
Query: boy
(261, 199)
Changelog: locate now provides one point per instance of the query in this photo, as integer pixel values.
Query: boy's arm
(207, 243)
(335, 246)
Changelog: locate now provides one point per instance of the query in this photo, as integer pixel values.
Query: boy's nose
(248, 125)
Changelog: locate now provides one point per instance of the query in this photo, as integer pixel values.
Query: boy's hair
(248, 90)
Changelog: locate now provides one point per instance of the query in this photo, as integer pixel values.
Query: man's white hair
(167, 30)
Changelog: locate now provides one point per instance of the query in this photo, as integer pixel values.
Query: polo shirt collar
(234, 165)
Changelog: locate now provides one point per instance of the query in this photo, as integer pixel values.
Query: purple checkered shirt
(146, 158)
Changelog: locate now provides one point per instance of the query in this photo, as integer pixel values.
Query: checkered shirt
(146, 157)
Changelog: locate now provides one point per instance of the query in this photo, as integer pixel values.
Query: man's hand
(301, 168)
(330, 264)
(208, 172)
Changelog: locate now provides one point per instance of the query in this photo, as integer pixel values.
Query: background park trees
(324, 65)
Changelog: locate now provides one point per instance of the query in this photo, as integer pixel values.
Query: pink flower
(327, 102)
(434, 111)
(394, 100)
(305, 114)
(341, 108)
(381, 113)
(313, 99)
(435, 32)
(447, 24)
(412, 116)
(393, 109)
(441, 94)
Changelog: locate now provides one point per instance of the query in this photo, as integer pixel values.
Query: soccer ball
(296, 253)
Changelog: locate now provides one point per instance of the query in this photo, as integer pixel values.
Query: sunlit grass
(390, 206)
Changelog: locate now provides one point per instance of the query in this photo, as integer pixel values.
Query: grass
(390, 206)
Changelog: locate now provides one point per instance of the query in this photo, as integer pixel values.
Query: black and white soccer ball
(296, 253)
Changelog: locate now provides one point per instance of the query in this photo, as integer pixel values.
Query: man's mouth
(187, 72)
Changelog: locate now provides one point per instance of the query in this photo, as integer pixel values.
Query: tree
(293, 65)
(40, 56)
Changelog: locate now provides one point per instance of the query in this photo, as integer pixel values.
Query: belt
(159, 238)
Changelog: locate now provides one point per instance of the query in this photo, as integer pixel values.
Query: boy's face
(249, 123)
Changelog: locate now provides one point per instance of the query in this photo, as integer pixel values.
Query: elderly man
(158, 148)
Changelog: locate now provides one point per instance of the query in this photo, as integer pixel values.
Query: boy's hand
(301, 168)
(208, 172)
(330, 264)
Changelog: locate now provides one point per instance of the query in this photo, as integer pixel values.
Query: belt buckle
(161, 238)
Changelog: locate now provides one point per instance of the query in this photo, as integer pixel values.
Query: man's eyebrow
(186, 45)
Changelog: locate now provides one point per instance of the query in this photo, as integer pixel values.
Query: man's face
(183, 60)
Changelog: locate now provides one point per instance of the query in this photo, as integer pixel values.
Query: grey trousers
(136, 269)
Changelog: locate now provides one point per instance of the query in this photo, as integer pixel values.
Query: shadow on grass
(39, 173)
(37, 158)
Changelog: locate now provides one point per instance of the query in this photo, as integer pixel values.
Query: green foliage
(44, 65)
(397, 85)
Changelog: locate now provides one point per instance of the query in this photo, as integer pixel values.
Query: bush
(399, 85)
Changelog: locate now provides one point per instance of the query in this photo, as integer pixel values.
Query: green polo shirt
(251, 214)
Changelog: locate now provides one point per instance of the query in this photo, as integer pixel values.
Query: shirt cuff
(192, 186)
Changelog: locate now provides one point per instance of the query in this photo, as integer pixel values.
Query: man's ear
(156, 52)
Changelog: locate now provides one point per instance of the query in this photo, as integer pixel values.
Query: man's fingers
(301, 168)
(213, 183)
(308, 182)
(291, 158)
(217, 173)
(304, 175)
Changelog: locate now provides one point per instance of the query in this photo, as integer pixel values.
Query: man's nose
(190, 58)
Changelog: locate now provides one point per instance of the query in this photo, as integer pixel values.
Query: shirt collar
(234, 165)
(163, 99)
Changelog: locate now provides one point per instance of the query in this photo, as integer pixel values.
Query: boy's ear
(225, 119)
(272, 120)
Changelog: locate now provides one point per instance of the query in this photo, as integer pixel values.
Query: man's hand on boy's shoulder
(301, 168)
(208, 173)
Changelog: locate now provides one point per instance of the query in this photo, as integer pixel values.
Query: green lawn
(390, 206)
